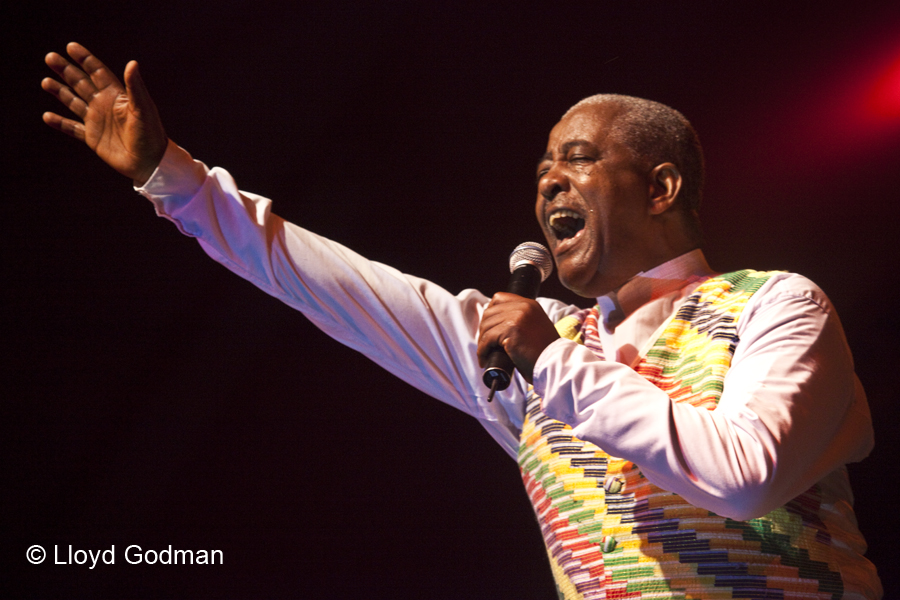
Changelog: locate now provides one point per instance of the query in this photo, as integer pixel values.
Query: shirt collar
(647, 286)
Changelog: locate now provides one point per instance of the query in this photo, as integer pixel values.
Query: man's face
(593, 203)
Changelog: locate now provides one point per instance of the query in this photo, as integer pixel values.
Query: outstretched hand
(119, 123)
(518, 325)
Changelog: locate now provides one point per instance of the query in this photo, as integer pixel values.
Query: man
(686, 438)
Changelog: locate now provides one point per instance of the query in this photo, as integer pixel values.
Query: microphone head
(532, 253)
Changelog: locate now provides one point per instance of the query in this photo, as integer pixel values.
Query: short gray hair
(656, 133)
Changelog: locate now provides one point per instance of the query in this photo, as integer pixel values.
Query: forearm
(413, 328)
(790, 413)
(680, 449)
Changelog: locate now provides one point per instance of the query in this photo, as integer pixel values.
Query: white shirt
(792, 412)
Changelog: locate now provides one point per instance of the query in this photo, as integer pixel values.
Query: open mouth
(565, 223)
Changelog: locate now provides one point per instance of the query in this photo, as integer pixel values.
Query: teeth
(565, 223)
(557, 215)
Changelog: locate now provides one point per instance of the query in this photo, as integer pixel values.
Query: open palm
(119, 123)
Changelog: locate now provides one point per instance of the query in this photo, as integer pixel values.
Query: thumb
(136, 89)
(151, 141)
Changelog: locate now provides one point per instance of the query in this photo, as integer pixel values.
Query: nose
(552, 182)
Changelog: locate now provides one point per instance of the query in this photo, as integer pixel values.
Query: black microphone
(530, 264)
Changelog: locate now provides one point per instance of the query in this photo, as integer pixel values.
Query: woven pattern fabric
(690, 359)
(610, 533)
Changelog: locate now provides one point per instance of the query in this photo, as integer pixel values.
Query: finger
(67, 126)
(65, 95)
(96, 70)
(505, 298)
(499, 311)
(487, 345)
(496, 319)
(74, 77)
(135, 87)
(492, 330)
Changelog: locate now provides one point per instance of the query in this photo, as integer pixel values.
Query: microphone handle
(524, 281)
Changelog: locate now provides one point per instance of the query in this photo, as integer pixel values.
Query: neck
(659, 281)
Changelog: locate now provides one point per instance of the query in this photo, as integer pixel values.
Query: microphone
(530, 264)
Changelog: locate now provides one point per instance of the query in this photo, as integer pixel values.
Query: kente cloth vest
(610, 533)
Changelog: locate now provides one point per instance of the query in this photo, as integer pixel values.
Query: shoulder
(747, 291)
(787, 300)
(781, 287)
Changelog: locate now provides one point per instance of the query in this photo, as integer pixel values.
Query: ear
(665, 183)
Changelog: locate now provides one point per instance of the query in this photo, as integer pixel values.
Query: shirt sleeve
(413, 328)
(791, 411)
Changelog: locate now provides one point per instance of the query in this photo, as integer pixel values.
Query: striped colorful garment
(610, 533)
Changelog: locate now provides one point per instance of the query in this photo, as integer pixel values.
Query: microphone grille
(532, 253)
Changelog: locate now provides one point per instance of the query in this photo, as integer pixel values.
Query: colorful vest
(610, 533)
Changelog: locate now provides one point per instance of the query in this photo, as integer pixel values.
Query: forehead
(591, 123)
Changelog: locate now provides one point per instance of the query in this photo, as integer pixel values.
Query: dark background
(150, 397)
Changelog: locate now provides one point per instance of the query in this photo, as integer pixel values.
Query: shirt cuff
(547, 362)
(175, 181)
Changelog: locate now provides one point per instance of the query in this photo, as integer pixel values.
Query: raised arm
(119, 123)
(411, 327)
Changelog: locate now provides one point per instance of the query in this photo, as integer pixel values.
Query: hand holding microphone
(514, 328)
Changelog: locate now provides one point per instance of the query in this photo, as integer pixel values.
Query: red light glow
(828, 121)
(884, 97)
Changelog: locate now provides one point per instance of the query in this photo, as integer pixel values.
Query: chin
(576, 285)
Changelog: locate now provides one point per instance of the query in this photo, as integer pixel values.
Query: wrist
(149, 167)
